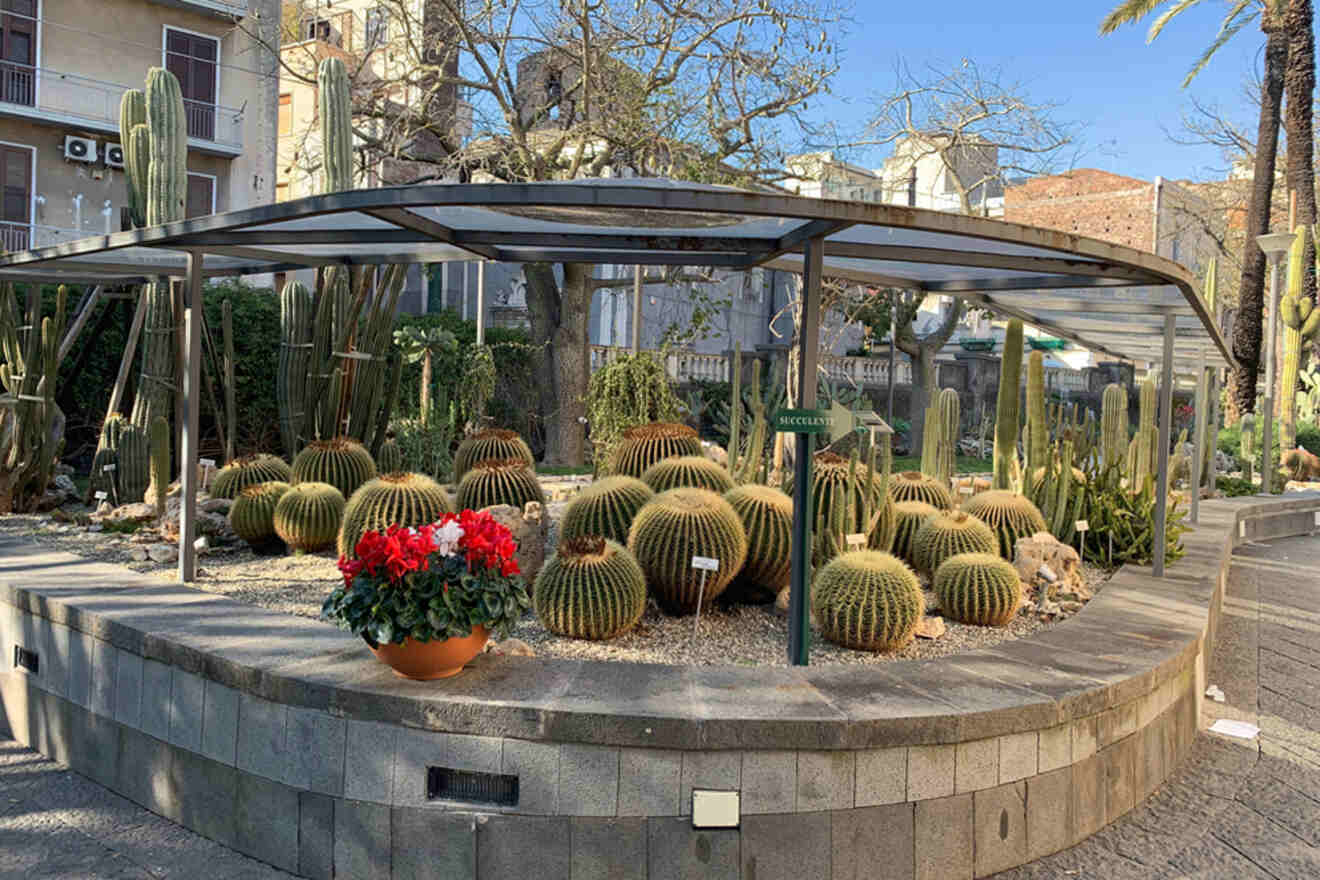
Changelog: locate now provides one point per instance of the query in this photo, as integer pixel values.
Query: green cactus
(842, 504)
(167, 177)
(1038, 436)
(295, 353)
(29, 366)
(867, 600)
(687, 470)
(393, 499)
(1301, 323)
(1114, 426)
(749, 466)
(308, 516)
(249, 470)
(160, 463)
(978, 588)
(336, 111)
(341, 462)
(640, 447)
(499, 481)
(1298, 464)
(1006, 467)
(1248, 446)
(390, 458)
(132, 114)
(605, 508)
(134, 470)
(1009, 514)
(909, 517)
(492, 443)
(916, 486)
(949, 534)
(592, 588)
(949, 407)
(767, 518)
(676, 526)
(107, 453)
(252, 515)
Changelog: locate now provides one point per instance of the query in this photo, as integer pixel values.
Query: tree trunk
(1299, 84)
(1251, 291)
(925, 379)
(559, 316)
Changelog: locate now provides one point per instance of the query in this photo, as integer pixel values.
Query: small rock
(1050, 609)
(96, 527)
(216, 505)
(163, 554)
(931, 627)
(139, 512)
(104, 508)
(529, 528)
(138, 554)
(64, 483)
(1053, 567)
(511, 648)
(1071, 607)
(781, 601)
(715, 453)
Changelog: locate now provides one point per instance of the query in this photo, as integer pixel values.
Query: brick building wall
(1089, 202)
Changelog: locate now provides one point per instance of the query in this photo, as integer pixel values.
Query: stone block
(942, 838)
(187, 701)
(1000, 819)
(429, 844)
(769, 782)
(53, 733)
(266, 820)
(314, 743)
(363, 846)
(976, 765)
(205, 792)
(1088, 797)
(418, 750)
(105, 669)
(537, 767)
(588, 780)
(881, 777)
(608, 849)
(144, 771)
(1049, 813)
(1017, 756)
(721, 771)
(95, 751)
(220, 723)
(369, 761)
(930, 772)
(156, 683)
(14, 698)
(872, 843)
(507, 845)
(55, 659)
(81, 646)
(262, 729)
(1148, 762)
(785, 846)
(1120, 771)
(316, 836)
(1116, 723)
(677, 851)
(1084, 737)
(826, 780)
(1055, 748)
(128, 689)
(649, 782)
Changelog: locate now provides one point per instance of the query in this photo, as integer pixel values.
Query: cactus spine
(644, 445)
(687, 470)
(336, 109)
(341, 462)
(1248, 446)
(1006, 411)
(492, 443)
(767, 518)
(393, 499)
(948, 534)
(499, 481)
(1038, 436)
(308, 516)
(1301, 323)
(252, 515)
(909, 516)
(160, 463)
(677, 525)
(249, 470)
(295, 351)
(390, 458)
(978, 588)
(606, 508)
(29, 365)
(847, 500)
(592, 588)
(914, 486)
(867, 600)
(1010, 515)
(1114, 426)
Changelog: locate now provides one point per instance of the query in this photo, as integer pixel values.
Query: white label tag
(101, 496)
(107, 468)
(206, 462)
(1083, 526)
(856, 539)
(200, 543)
(354, 355)
(965, 490)
(1317, 519)
(705, 562)
(1242, 529)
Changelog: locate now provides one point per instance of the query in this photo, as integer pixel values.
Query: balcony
(70, 99)
(226, 9)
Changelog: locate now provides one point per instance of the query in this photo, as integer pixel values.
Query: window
(377, 26)
(18, 51)
(322, 29)
(286, 113)
(201, 196)
(281, 192)
(15, 197)
(912, 188)
(194, 59)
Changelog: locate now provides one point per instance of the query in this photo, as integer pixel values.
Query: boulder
(163, 554)
(930, 627)
(216, 505)
(1049, 566)
(529, 527)
(137, 512)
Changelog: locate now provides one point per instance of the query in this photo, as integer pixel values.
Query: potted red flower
(426, 599)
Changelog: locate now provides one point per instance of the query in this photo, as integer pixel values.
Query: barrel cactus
(1009, 514)
(916, 486)
(640, 447)
(249, 470)
(252, 515)
(842, 502)
(978, 588)
(499, 481)
(767, 518)
(909, 516)
(392, 499)
(592, 588)
(341, 462)
(867, 600)
(949, 534)
(493, 444)
(676, 526)
(389, 459)
(695, 471)
(605, 508)
(308, 516)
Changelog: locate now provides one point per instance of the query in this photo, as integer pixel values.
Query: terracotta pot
(425, 661)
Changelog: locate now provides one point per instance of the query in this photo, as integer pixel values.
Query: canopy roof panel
(1102, 296)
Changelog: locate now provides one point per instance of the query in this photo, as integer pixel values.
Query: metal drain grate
(447, 784)
(29, 660)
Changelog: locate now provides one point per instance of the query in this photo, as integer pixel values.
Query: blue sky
(1120, 88)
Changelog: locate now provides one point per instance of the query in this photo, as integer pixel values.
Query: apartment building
(64, 66)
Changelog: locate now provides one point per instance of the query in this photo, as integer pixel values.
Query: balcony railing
(15, 236)
(80, 100)
(690, 366)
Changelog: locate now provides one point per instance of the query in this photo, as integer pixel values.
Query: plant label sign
(1083, 526)
(200, 544)
(965, 489)
(107, 468)
(856, 540)
(206, 463)
(804, 421)
(705, 563)
(101, 496)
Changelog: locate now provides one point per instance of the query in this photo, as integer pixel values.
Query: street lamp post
(1276, 246)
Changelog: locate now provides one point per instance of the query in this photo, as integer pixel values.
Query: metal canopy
(1104, 297)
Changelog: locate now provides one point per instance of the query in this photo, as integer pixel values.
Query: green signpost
(808, 423)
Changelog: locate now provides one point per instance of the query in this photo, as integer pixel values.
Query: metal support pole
(799, 620)
(481, 303)
(192, 398)
(1194, 474)
(1212, 479)
(637, 310)
(1267, 417)
(1162, 451)
(893, 332)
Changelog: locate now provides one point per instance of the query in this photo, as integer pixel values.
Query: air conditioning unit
(114, 156)
(78, 149)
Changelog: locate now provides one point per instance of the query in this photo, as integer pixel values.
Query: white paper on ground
(1240, 729)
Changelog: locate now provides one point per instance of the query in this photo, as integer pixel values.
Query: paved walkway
(1235, 811)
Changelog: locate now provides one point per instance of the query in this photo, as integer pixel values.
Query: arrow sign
(804, 421)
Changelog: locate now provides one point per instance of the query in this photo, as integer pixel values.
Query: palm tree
(1299, 85)
(1251, 290)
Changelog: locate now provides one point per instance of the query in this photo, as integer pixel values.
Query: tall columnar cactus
(949, 406)
(644, 445)
(605, 508)
(867, 600)
(30, 436)
(499, 481)
(1006, 410)
(343, 463)
(1114, 426)
(252, 515)
(978, 588)
(336, 111)
(767, 518)
(847, 498)
(160, 463)
(1038, 435)
(949, 534)
(308, 516)
(592, 588)
(1143, 448)
(748, 466)
(1301, 324)
(676, 526)
(393, 499)
(389, 459)
(687, 470)
(492, 443)
(1058, 493)
(295, 354)
(930, 440)
(1247, 446)
(105, 463)
(137, 158)
(249, 470)
(1010, 515)
(134, 470)
(916, 486)
(909, 517)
